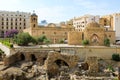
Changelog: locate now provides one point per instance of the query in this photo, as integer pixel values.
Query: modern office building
(13, 20)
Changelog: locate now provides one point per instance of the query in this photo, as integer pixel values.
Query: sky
(55, 11)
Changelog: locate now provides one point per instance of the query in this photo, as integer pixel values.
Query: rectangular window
(6, 23)
(2, 23)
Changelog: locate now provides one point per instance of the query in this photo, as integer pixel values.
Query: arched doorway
(95, 39)
(22, 57)
(61, 63)
(33, 58)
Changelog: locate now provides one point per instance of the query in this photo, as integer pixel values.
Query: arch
(61, 63)
(22, 57)
(95, 38)
(33, 58)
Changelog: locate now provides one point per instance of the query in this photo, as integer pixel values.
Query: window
(110, 36)
(15, 27)
(6, 27)
(24, 24)
(15, 19)
(104, 24)
(2, 19)
(105, 21)
(43, 32)
(24, 27)
(34, 25)
(11, 23)
(6, 23)
(20, 23)
(54, 32)
(20, 19)
(16, 24)
(20, 27)
(7, 19)
(24, 19)
(2, 27)
(2, 23)
(82, 36)
(11, 19)
(65, 32)
(11, 27)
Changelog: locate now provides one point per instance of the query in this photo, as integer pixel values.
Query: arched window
(95, 38)
(82, 36)
(34, 25)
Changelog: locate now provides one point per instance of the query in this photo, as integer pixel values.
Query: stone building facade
(13, 20)
(51, 31)
(94, 33)
(111, 22)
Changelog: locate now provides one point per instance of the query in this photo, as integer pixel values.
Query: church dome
(33, 14)
(92, 24)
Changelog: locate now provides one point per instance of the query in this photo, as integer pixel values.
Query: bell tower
(34, 20)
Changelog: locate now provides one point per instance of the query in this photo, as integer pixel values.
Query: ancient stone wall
(68, 60)
(93, 64)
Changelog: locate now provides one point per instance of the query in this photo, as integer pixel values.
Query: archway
(95, 39)
(33, 58)
(22, 57)
(61, 63)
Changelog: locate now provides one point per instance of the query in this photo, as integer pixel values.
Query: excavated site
(54, 65)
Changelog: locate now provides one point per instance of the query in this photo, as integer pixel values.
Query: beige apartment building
(112, 22)
(13, 20)
(79, 23)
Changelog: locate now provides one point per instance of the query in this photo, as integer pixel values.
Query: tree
(107, 42)
(11, 33)
(41, 39)
(23, 39)
(85, 42)
(47, 41)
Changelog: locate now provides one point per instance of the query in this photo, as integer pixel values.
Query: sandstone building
(51, 31)
(94, 33)
(13, 20)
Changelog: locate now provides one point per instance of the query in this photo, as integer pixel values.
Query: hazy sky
(62, 10)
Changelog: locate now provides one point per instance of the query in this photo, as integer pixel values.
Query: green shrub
(116, 57)
(110, 68)
(85, 42)
(11, 45)
(6, 42)
(61, 41)
(107, 42)
(41, 39)
(23, 39)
